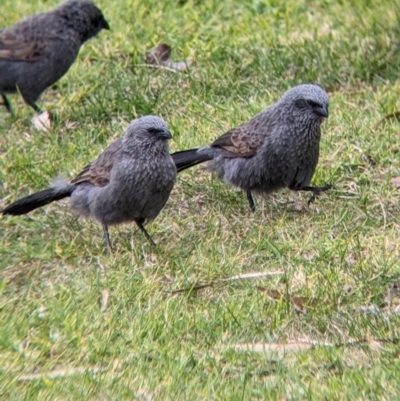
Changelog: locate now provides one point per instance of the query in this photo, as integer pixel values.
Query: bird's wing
(14, 45)
(98, 176)
(98, 173)
(239, 142)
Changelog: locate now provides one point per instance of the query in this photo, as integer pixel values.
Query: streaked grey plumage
(130, 181)
(37, 51)
(278, 148)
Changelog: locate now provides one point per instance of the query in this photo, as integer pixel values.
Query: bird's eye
(301, 104)
(154, 131)
(313, 104)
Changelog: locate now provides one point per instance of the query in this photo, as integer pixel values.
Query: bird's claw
(317, 191)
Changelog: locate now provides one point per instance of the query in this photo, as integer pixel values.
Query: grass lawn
(320, 321)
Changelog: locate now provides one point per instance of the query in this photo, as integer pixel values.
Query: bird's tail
(189, 158)
(39, 199)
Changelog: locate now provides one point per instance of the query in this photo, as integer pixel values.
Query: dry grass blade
(298, 345)
(158, 66)
(244, 276)
(250, 275)
(104, 300)
(196, 287)
(277, 348)
(59, 373)
(391, 116)
(170, 311)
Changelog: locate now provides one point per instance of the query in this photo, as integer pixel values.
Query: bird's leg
(107, 238)
(315, 190)
(30, 102)
(36, 108)
(140, 225)
(251, 201)
(6, 103)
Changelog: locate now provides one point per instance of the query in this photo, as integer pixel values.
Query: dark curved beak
(164, 134)
(322, 111)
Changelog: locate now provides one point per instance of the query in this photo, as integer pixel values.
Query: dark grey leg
(251, 201)
(140, 225)
(31, 103)
(107, 238)
(36, 108)
(315, 190)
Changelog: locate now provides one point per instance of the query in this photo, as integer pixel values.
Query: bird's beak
(322, 111)
(105, 24)
(164, 134)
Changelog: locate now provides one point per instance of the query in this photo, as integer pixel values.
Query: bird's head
(84, 17)
(149, 129)
(306, 102)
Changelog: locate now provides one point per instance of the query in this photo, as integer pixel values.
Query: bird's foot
(317, 191)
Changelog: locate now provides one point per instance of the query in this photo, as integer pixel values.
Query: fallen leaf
(299, 301)
(104, 300)
(395, 181)
(373, 344)
(161, 56)
(42, 121)
(71, 124)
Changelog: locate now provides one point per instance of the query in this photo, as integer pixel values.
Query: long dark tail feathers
(38, 199)
(188, 158)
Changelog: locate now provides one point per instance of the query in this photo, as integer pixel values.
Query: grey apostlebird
(37, 51)
(130, 181)
(278, 148)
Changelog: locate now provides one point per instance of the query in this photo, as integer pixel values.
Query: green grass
(342, 254)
